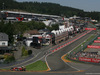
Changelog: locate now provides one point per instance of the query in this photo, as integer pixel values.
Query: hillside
(36, 7)
(46, 8)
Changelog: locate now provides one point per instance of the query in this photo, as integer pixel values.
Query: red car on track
(18, 69)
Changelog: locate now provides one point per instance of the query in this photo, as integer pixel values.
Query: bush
(25, 53)
(9, 58)
(29, 52)
(23, 49)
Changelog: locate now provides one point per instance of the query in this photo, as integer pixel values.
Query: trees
(29, 52)
(24, 51)
(35, 25)
(8, 29)
(46, 8)
(8, 58)
(53, 27)
(19, 28)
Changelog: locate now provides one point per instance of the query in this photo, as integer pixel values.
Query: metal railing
(82, 46)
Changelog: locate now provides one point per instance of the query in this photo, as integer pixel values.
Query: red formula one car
(18, 69)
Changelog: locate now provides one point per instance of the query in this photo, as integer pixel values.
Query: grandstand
(13, 15)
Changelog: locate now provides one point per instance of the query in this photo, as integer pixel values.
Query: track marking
(66, 44)
(65, 71)
(73, 67)
(23, 62)
(66, 62)
(63, 58)
(62, 46)
(93, 73)
(51, 53)
(70, 39)
(47, 64)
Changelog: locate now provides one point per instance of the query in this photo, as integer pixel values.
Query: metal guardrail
(82, 47)
(72, 55)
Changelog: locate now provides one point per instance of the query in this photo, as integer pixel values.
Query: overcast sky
(86, 5)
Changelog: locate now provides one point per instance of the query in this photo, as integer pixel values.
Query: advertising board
(90, 28)
(96, 41)
(94, 60)
(93, 46)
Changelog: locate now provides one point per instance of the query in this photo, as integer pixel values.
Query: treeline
(18, 28)
(46, 8)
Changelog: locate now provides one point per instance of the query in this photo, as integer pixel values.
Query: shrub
(29, 52)
(9, 58)
(25, 53)
(23, 50)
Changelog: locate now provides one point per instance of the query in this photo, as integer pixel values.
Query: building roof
(44, 30)
(33, 32)
(26, 13)
(3, 37)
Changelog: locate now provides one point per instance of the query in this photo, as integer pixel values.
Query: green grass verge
(37, 66)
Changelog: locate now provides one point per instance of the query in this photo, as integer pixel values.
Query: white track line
(66, 53)
(71, 51)
(25, 61)
(36, 60)
(93, 73)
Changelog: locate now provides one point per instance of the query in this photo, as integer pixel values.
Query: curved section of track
(54, 59)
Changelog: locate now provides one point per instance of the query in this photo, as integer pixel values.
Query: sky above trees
(86, 5)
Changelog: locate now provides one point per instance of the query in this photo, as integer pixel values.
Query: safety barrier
(72, 55)
(82, 47)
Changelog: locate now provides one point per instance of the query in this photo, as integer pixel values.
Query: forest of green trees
(20, 27)
(37, 7)
(46, 8)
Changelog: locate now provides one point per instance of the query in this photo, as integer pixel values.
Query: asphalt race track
(58, 67)
(54, 60)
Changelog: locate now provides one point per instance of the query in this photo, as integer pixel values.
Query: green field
(37, 66)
